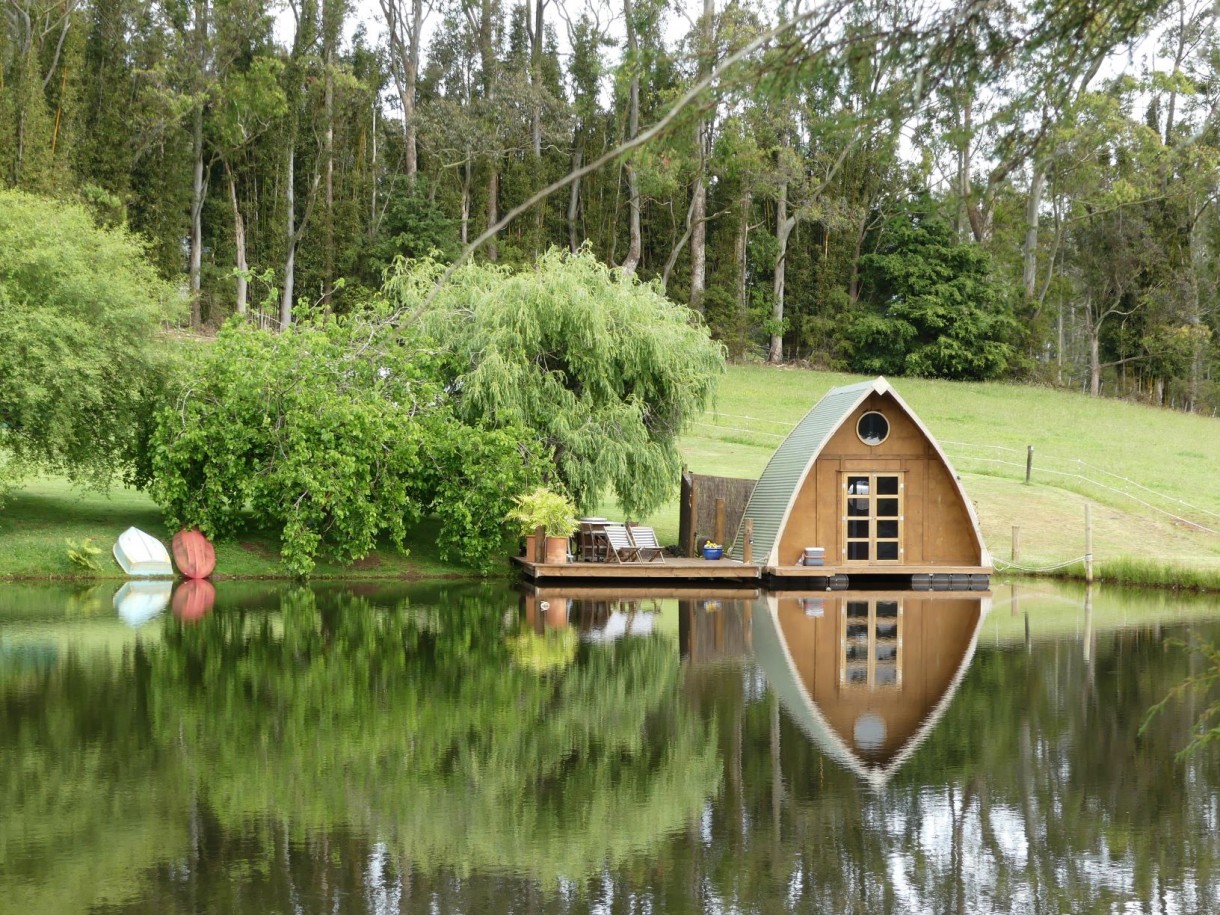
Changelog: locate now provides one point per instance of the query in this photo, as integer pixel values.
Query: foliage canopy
(336, 433)
(601, 368)
(80, 313)
(935, 308)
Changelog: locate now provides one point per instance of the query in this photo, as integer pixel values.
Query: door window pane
(858, 529)
(887, 508)
(857, 549)
(887, 529)
(887, 486)
(887, 549)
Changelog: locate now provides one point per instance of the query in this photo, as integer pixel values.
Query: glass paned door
(871, 644)
(872, 517)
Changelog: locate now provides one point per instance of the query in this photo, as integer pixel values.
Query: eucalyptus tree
(300, 70)
(705, 56)
(42, 45)
(587, 36)
(404, 22)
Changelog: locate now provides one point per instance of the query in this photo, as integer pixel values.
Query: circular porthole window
(873, 428)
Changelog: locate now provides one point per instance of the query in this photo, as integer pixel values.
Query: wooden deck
(685, 572)
(674, 568)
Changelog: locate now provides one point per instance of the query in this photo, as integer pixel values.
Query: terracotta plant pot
(556, 549)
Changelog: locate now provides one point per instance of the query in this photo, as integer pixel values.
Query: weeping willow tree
(604, 368)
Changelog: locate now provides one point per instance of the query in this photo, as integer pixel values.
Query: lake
(463, 747)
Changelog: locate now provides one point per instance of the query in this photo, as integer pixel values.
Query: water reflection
(866, 675)
(396, 749)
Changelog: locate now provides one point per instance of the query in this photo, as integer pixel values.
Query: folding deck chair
(619, 547)
(645, 540)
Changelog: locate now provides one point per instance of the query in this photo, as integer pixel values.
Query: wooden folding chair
(645, 540)
(618, 544)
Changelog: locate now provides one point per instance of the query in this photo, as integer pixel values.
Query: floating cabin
(861, 493)
(866, 675)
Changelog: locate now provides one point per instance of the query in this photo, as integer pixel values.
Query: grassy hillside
(1153, 476)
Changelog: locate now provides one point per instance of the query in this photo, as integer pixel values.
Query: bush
(335, 433)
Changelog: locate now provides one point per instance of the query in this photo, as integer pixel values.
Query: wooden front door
(872, 518)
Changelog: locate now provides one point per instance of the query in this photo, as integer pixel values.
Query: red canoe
(193, 599)
(193, 554)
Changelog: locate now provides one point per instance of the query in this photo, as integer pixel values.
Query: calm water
(467, 749)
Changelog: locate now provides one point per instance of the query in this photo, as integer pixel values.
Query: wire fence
(1082, 476)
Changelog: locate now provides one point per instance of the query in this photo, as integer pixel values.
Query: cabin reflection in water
(866, 675)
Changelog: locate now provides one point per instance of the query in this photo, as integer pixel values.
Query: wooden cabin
(866, 675)
(861, 485)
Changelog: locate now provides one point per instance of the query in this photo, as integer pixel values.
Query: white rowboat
(141, 555)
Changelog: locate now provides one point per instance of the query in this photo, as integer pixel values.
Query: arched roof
(771, 501)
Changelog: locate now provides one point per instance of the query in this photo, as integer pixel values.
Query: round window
(873, 428)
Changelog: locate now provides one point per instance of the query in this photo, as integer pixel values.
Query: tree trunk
(466, 181)
(698, 235)
(741, 255)
(239, 244)
(290, 258)
(1030, 248)
(198, 187)
(493, 209)
(536, 120)
(698, 239)
(197, 192)
(574, 197)
(783, 228)
(1094, 358)
(329, 157)
(411, 164)
(636, 246)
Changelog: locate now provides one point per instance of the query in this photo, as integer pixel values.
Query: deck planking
(676, 569)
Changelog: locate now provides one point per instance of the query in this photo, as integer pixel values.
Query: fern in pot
(554, 512)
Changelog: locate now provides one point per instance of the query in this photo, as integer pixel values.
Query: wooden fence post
(1088, 544)
(719, 538)
(540, 544)
(1029, 462)
(747, 545)
(693, 534)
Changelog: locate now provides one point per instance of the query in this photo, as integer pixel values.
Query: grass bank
(37, 520)
(1149, 475)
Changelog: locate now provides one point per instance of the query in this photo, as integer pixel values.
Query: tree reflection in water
(336, 752)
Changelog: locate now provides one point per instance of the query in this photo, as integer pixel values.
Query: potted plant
(712, 550)
(550, 510)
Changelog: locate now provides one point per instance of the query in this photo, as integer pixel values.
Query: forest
(1002, 190)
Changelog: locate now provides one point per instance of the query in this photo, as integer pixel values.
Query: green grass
(1149, 475)
(37, 520)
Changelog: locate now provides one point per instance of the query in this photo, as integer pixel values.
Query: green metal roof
(779, 483)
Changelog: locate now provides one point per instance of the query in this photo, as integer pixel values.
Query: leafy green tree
(601, 368)
(335, 433)
(81, 311)
(934, 308)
